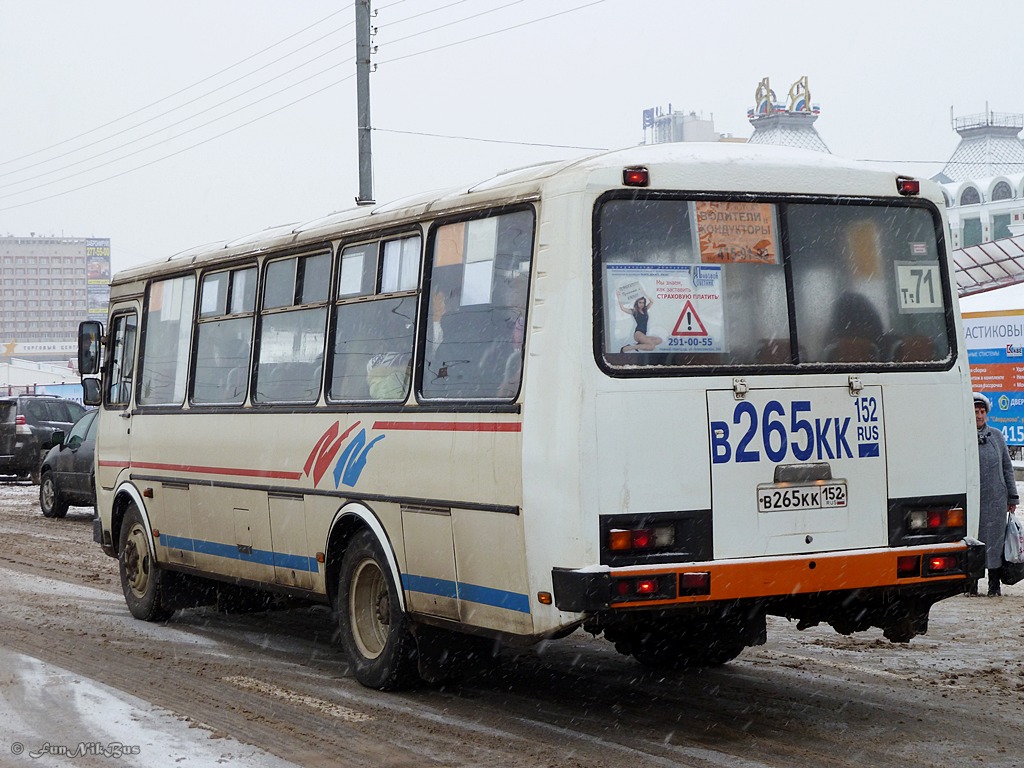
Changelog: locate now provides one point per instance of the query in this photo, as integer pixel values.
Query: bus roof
(711, 166)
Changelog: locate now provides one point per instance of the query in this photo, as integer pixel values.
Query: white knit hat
(983, 401)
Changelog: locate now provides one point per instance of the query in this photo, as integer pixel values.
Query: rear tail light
(908, 186)
(636, 176)
(20, 427)
(632, 588)
(940, 565)
(641, 539)
(908, 566)
(695, 583)
(936, 520)
(935, 564)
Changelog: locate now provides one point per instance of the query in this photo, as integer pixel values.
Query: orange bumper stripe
(755, 578)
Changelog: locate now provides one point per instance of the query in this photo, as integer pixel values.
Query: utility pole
(363, 102)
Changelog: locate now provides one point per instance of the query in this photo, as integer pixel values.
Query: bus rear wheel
(141, 577)
(374, 629)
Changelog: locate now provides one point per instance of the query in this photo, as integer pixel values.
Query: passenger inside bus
(855, 331)
(387, 375)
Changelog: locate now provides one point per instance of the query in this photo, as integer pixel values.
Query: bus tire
(141, 577)
(373, 627)
(50, 501)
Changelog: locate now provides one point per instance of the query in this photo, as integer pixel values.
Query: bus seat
(915, 349)
(773, 351)
(852, 350)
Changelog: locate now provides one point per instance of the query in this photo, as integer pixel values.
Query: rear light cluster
(641, 539)
(936, 564)
(908, 186)
(918, 521)
(20, 426)
(664, 586)
(636, 176)
(936, 520)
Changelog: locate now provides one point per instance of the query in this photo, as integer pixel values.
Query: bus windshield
(719, 282)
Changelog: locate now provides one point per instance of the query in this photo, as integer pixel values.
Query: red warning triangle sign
(689, 323)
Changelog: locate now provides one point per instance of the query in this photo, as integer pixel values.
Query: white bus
(659, 393)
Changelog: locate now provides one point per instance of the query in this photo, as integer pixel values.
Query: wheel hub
(384, 608)
(136, 562)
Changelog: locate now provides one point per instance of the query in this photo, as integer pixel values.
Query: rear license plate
(788, 498)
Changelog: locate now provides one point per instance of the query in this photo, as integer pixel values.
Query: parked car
(67, 478)
(27, 423)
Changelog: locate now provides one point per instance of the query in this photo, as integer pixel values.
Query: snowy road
(271, 689)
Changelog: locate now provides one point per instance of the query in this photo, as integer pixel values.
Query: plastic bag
(1011, 573)
(1013, 544)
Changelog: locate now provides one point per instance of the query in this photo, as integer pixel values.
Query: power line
(489, 141)
(180, 151)
(423, 13)
(179, 122)
(222, 103)
(174, 109)
(452, 23)
(183, 90)
(491, 34)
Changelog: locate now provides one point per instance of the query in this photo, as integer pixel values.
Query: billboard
(995, 351)
(97, 267)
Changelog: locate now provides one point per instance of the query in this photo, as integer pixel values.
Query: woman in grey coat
(998, 490)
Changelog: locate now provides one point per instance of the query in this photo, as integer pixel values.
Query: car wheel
(374, 628)
(50, 500)
(141, 577)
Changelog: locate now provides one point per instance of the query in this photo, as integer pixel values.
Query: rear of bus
(779, 417)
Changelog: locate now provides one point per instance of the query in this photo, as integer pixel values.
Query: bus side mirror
(91, 393)
(90, 335)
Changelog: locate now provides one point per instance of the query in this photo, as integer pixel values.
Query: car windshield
(82, 429)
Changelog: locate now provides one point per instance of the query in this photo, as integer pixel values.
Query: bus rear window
(753, 283)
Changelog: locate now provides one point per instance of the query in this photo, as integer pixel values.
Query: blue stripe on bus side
(499, 598)
(261, 556)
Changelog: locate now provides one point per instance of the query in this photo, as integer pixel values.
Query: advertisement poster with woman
(665, 308)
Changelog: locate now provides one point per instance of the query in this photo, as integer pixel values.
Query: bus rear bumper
(938, 571)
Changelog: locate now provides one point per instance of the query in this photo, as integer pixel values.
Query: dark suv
(27, 423)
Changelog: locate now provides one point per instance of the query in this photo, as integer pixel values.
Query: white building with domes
(983, 180)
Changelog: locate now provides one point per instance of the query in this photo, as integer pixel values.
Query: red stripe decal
(234, 471)
(451, 426)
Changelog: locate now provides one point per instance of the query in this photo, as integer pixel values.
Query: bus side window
(224, 337)
(476, 317)
(292, 329)
(167, 338)
(371, 349)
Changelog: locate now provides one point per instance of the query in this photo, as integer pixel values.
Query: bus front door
(113, 436)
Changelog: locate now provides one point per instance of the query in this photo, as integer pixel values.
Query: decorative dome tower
(790, 125)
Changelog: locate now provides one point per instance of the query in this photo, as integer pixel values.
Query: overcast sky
(168, 125)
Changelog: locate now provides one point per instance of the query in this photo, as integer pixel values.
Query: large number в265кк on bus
(659, 393)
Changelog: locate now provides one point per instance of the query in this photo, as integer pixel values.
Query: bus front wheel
(374, 629)
(141, 577)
